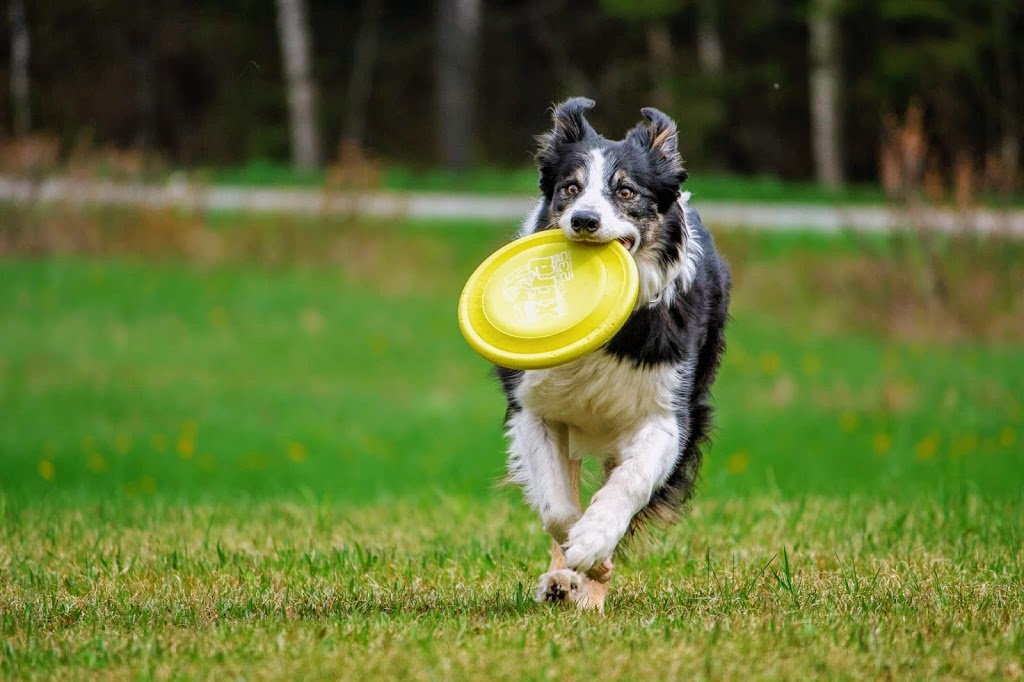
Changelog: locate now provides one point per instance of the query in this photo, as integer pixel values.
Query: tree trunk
(458, 30)
(1008, 101)
(146, 74)
(659, 57)
(295, 51)
(19, 68)
(361, 79)
(824, 90)
(709, 40)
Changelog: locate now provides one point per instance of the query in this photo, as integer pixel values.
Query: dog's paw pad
(559, 586)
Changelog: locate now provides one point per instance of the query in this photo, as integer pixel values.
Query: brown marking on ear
(663, 138)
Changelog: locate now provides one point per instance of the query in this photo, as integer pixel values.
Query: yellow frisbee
(542, 300)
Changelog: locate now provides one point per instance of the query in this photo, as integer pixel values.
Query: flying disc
(542, 301)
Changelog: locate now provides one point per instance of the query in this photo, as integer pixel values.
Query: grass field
(286, 469)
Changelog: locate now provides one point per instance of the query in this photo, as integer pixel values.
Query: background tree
(295, 52)
(458, 31)
(205, 89)
(361, 77)
(19, 67)
(824, 93)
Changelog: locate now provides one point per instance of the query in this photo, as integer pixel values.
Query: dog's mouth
(628, 242)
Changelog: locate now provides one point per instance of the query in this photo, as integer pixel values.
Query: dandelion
(186, 447)
(848, 421)
(881, 443)
(46, 469)
(770, 363)
(297, 452)
(122, 443)
(927, 447)
(738, 462)
(1007, 437)
(96, 463)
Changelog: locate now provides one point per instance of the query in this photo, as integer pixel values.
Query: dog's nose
(585, 220)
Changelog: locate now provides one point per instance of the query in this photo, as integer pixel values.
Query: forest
(798, 90)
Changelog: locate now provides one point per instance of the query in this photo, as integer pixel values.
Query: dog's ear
(570, 123)
(570, 126)
(661, 139)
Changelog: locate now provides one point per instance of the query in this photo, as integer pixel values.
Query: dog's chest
(599, 394)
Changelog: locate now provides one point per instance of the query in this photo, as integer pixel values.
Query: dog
(641, 404)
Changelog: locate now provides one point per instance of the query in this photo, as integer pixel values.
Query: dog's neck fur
(660, 283)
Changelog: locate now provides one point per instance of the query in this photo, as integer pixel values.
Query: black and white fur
(641, 403)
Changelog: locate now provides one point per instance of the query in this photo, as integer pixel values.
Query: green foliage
(640, 10)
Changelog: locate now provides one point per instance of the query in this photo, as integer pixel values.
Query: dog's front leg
(539, 460)
(646, 460)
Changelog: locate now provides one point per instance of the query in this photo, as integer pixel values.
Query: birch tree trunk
(824, 91)
(19, 68)
(293, 29)
(458, 32)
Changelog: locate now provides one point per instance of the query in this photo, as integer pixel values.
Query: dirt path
(772, 216)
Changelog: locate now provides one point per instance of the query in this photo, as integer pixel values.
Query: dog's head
(600, 190)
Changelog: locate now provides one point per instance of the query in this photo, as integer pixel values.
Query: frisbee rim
(615, 258)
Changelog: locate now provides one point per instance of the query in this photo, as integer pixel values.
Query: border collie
(642, 403)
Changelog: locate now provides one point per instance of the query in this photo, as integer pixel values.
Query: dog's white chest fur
(601, 398)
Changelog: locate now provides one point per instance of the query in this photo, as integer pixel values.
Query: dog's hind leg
(561, 584)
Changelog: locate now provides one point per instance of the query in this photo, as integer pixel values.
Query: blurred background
(232, 235)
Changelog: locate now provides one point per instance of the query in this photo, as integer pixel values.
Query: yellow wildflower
(297, 452)
(46, 469)
(738, 462)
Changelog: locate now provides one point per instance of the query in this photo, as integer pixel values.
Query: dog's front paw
(559, 586)
(588, 548)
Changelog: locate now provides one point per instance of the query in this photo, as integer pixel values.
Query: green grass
(213, 469)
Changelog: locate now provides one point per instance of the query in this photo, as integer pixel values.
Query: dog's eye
(572, 189)
(625, 193)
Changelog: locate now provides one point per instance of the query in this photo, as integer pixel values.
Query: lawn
(283, 465)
